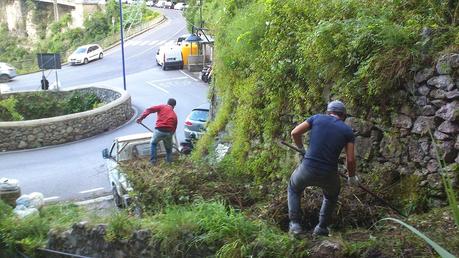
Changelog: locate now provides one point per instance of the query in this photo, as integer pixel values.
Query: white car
(180, 6)
(169, 56)
(7, 72)
(181, 39)
(168, 5)
(160, 4)
(85, 54)
(125, 148)
(150, 3)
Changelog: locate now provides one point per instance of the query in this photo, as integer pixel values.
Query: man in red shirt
(166, 124)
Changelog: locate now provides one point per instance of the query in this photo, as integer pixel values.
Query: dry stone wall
(430, 114)
(57, 130)
(91, 240)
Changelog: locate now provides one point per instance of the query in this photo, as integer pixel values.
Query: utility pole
(122, 44)
(56, 11)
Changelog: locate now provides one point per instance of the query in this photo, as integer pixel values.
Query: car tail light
(188, 123)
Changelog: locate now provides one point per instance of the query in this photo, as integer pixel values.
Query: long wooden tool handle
(146, 127)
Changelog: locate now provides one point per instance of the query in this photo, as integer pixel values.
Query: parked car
(160, 4)
(150, 3)
(180, 6)
(85, 54)
(123, 149)
(182, 38)
(169, 5)
(7, 72)
(169, 56)
(195, 122)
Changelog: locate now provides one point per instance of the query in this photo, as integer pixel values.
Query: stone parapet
(37, 133)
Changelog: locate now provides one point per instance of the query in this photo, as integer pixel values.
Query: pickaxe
(360, 185)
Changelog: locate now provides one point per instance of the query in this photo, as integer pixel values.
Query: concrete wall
(57, 130)
(21, 22)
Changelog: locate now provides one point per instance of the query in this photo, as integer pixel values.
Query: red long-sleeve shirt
(166, 120)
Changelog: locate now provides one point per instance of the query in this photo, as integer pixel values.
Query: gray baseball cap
(336, 106)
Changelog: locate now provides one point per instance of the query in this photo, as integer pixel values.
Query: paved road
(76, 170)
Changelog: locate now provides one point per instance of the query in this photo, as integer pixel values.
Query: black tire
(4, 78)
(86, 61)
(117, 198)
(101, 55)
(164, 67)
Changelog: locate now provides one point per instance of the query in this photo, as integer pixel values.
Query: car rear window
(199, 115)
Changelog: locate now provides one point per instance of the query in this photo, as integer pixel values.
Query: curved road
(76, 171)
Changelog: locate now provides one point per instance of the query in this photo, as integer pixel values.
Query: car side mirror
(105, 153)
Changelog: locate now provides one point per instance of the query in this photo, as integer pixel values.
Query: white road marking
(148, 49)
(159, 88)
(143, 43)
(92, 190)
(100, 199)
(51, 198)
(153, 42)
(162, 42)
(166, 80)
(189, 76)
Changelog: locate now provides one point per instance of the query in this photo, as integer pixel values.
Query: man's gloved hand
(139, 120)
(353, 181)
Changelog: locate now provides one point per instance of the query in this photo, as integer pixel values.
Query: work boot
(318, 231)
(294, 228)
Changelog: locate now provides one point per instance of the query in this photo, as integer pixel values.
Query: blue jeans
(304, 176)
(166, 137)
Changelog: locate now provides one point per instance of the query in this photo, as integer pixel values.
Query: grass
(31, 232)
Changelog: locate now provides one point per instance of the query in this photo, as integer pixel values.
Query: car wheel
(117, 198)
(86, 61)
(4, 78)
(101, 55)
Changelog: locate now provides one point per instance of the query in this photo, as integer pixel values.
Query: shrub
(46, 104)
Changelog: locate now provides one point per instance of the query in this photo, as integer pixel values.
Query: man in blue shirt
(328, 135)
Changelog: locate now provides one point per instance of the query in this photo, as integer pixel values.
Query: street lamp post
(122, 44)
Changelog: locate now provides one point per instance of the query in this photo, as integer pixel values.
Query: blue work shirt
(328, 136)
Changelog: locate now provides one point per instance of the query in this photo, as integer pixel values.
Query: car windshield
(199, 115)
(80, 50)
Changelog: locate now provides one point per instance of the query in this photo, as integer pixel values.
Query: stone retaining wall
(57, 130)
(431, 104)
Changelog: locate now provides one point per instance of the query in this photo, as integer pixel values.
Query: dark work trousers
(304, 176)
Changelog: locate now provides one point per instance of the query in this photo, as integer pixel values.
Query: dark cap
(171, 102)
(336, 106)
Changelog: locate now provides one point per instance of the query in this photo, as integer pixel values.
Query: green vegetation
(100, 27)
(278, 62)
(30, 233)
(45, 104)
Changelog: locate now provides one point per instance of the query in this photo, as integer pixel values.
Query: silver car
(195, 123)
(7, 72)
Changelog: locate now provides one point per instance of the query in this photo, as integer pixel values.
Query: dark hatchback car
(195, 122)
